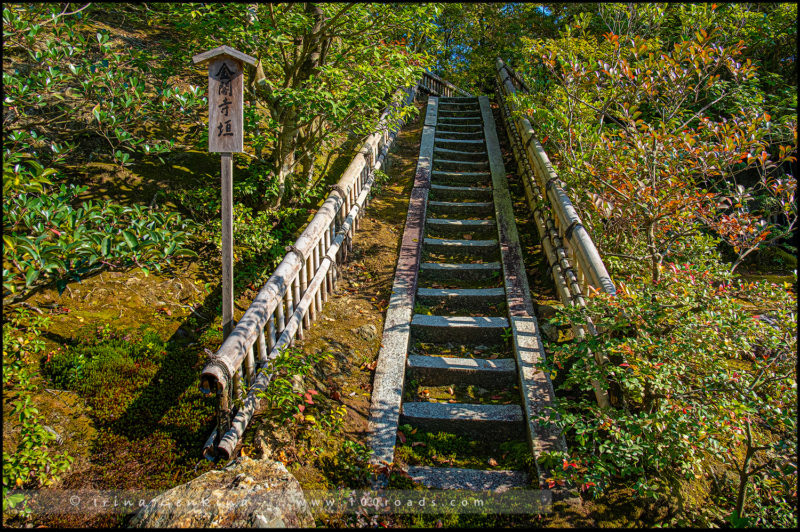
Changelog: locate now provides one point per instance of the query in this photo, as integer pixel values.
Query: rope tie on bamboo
(215, 362)
(571, 228)
(340, 189)
(293, 249)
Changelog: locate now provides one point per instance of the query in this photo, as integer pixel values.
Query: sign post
(225, 136)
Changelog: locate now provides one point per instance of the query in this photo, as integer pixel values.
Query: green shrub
(702, 371)
(33, 463)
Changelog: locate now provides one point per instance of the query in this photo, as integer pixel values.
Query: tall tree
(328, 69)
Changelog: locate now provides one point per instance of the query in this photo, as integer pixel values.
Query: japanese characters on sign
(225, 109)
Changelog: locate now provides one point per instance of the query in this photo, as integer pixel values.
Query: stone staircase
(460, 314)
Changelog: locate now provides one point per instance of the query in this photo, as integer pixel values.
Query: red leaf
(401, 436)
(313, 392)
(624, 365)
(301, 407)
(335, 396)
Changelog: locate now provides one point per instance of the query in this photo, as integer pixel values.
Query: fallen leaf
(452, 401)
(493, 356)
(426, 393)
(401, 436)
(335, 396)
(414, 431)
(467, 237)
(492, 462)
(450, 390)
(419, 444)
(497, 397)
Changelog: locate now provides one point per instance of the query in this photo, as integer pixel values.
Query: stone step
(448, 246)
(459, 99)
(444, 129)
(449, 165)
(481, 421)
(490, 295)
(438, 371)
(459, 155)
(450, 121)
(459, 113)
(443, 272)
(479, 330)
(460, 227)
(441, 177)
(461, 209)
(459, 135)
(470, 105)
(456, 478)
(445, 192)
(475, 145)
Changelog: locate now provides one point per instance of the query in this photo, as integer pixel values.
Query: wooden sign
(225, 98)
(225, 123)
(225, 106)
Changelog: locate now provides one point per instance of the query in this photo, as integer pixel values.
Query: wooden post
(225, 136)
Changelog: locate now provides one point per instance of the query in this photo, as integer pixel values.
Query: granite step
(459, 99)
(479, 330)
(452, 246)
(461, 209)
(442, 272)
(467, 296)
(459, 135)
(474, 110)
(441, 177)
(450, 193)
(459, 155)
(495, 421)
(475, 145)
(448, 121)
(474, 129)
(438, 371)
(459, 166)
(456, 478)
(460, 105)
(442, 226)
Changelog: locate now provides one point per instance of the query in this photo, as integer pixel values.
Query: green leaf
(30, 276)
(130, 239)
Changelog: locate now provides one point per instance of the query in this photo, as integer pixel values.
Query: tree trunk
(655, 257)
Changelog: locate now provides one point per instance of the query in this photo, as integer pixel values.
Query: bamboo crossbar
(293, 295)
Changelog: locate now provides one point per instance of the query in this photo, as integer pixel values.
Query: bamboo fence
(574, 261)
(293, 296)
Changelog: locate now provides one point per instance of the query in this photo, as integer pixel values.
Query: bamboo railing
(293, 296)
(574, 260)
(436, 86)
